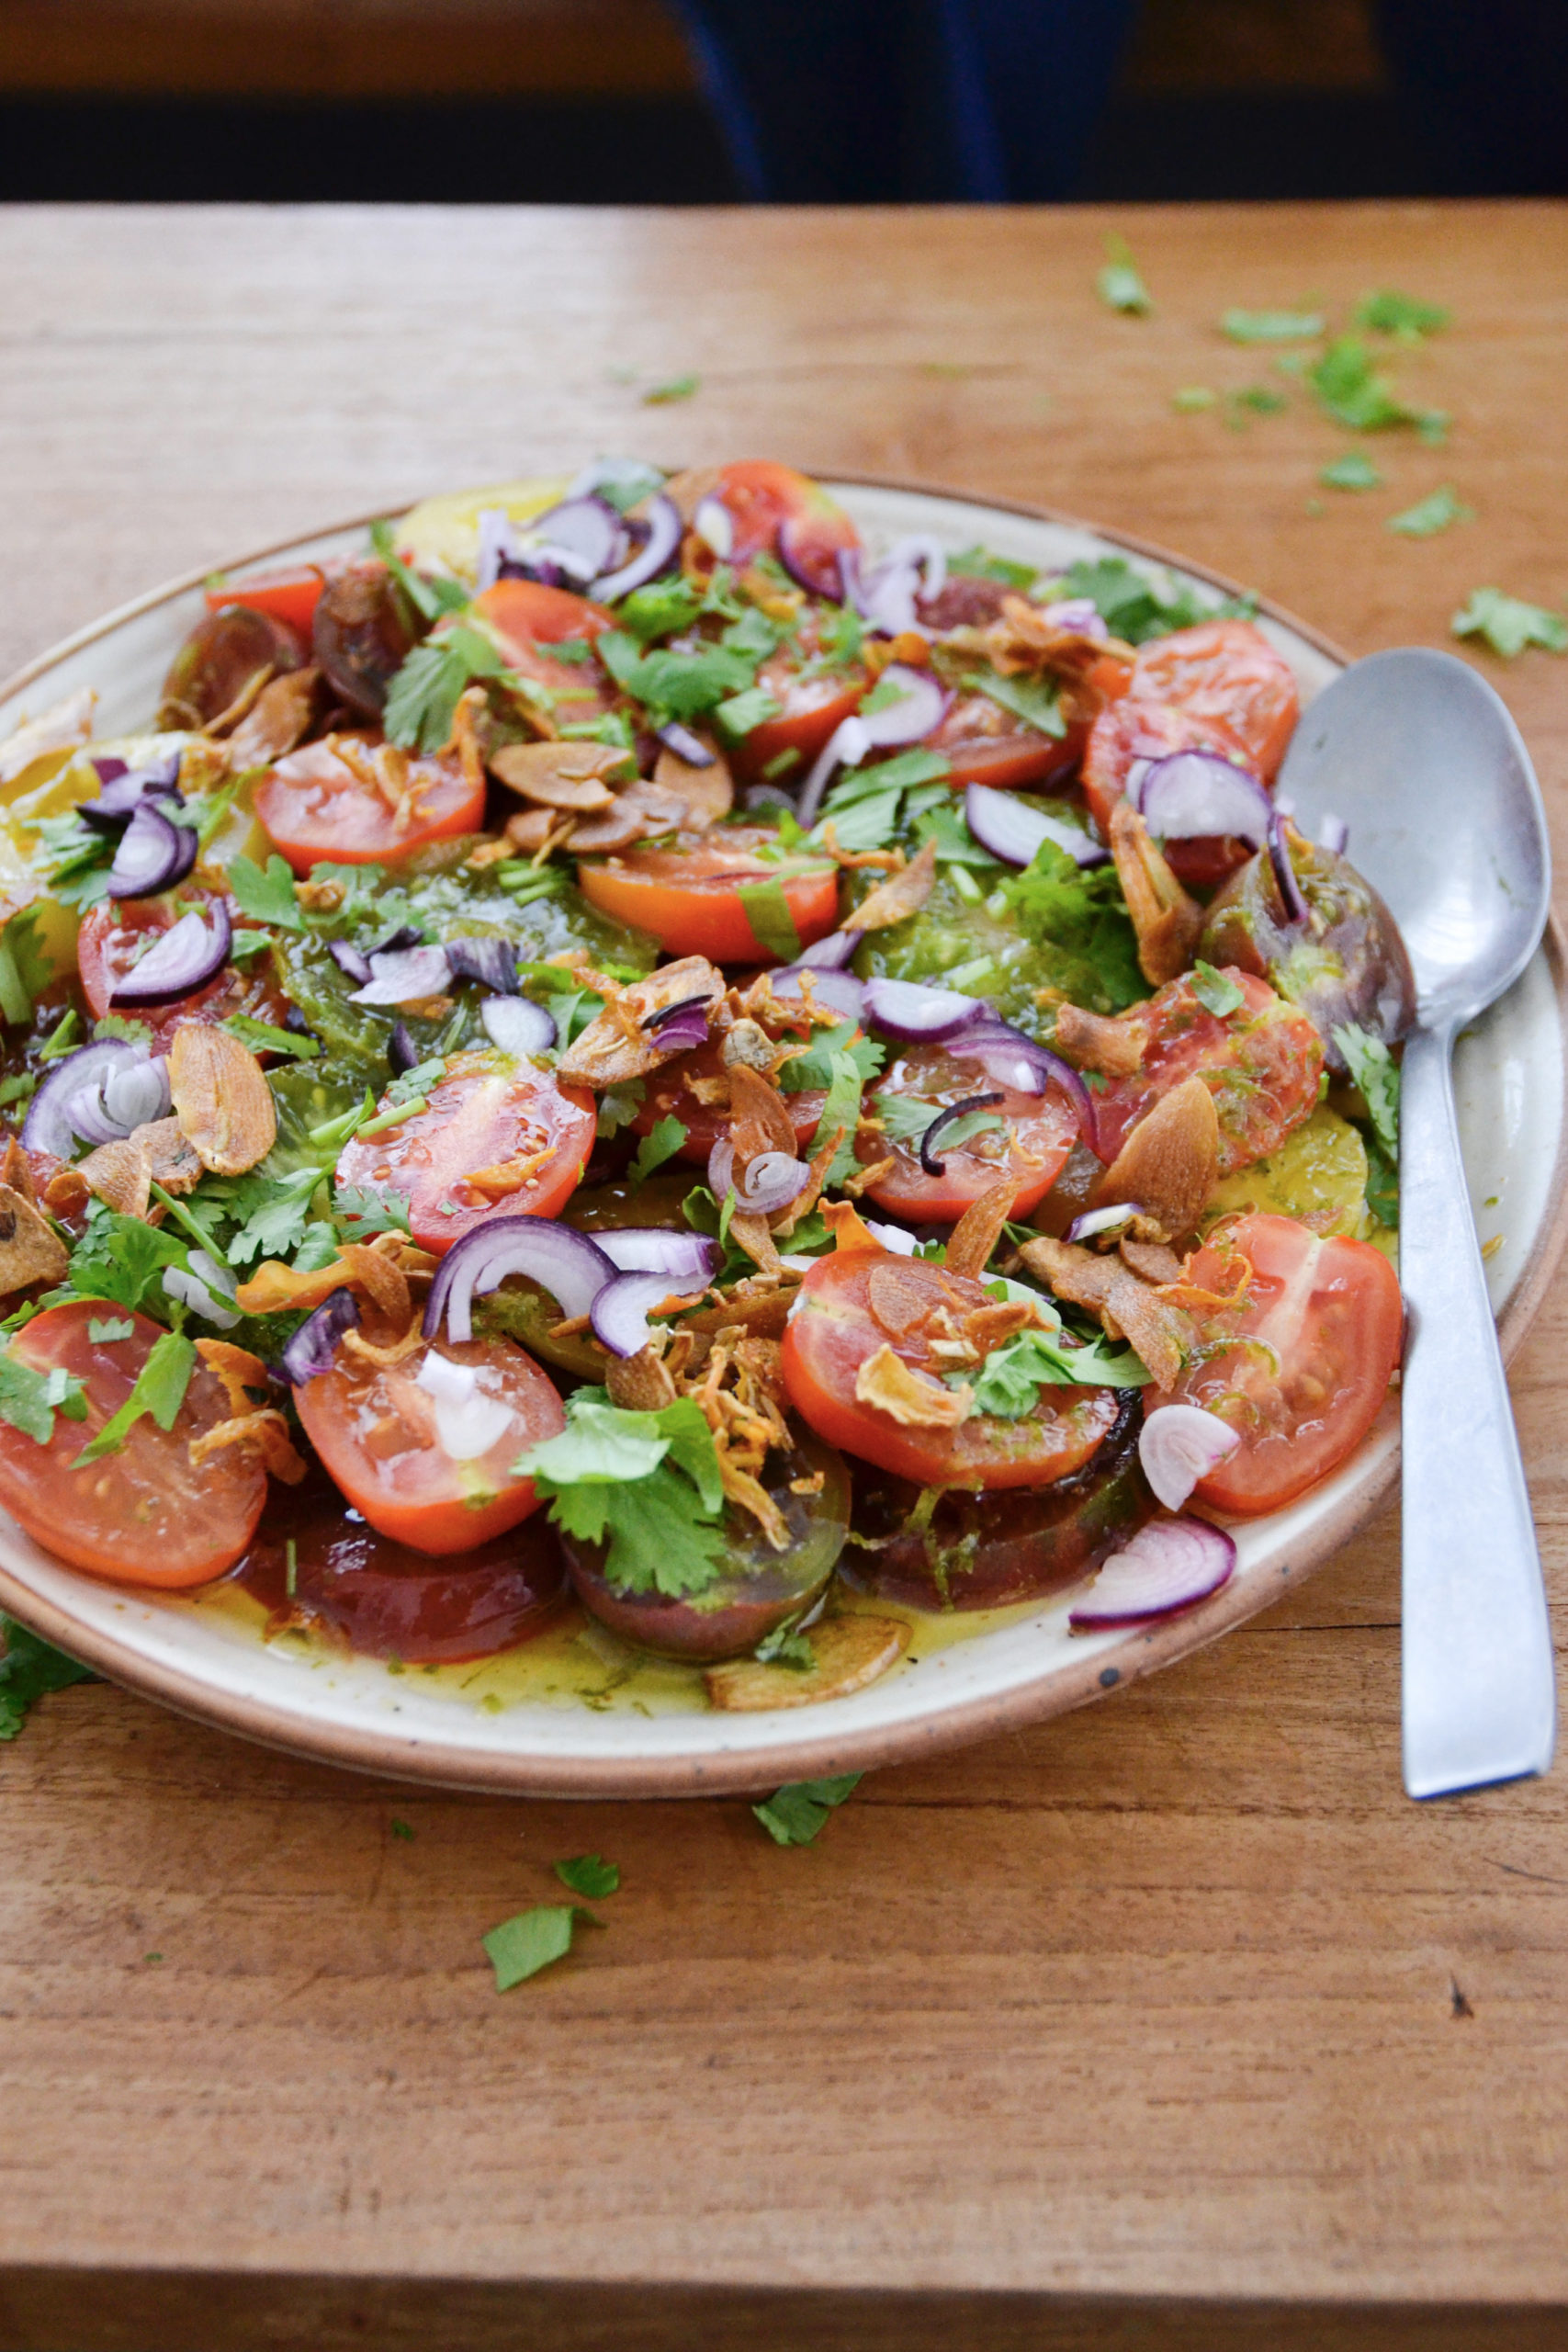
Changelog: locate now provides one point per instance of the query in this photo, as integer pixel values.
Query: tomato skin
(107, 944)
(833, 1329)
(526, 617)
(1041, 1130)
(487, 1110)
(1330, 1311)
(314, 805)
(1225, 669)
(375, 1430)
(1261, 1064)
(689, 899)
(669, 1095)
(760, 495)
(141, 1515)
(290, 596)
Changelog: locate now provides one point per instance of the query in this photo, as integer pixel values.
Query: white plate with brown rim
(576, 1714)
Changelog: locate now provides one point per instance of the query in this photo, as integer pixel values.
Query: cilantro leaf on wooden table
(1119, 284)
(29, 1669)
(1272, 326)
(1350, 389)
(1352, 471)
(795, 1814)
(1508, 624)
(679, 388)
(590, 1874)
(1401, 315)
(521, 1946)
(1431, 515)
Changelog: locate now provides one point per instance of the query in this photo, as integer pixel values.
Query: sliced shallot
(467, 1422)
(70, 1086)
(182, 960)
(154, 853)
(517, 1024)
(1179, 1445)
(352, 962)
(1198, 796)
(1012, 831)
(619, 1312)
(841, 990)
(404, 976)
(1171, 1564)
(657, 552)
(1296, 906)
(1093, 1221)
(313, 1347)
(954, 1111)
(659, 1250)
(917, 1014)
(491, 962)
(563, 1261)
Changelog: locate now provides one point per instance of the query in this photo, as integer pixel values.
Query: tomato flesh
(115, 934)
(505, 1121)
(290, 596)
(812, 708)
(760, 495)
(1301, 1365)
(315, 805)
(1037, 1133)
(380, 1435)
(141, 1515)
(1225, 671)
(855, 1303)
(527, 617)
(1261, 1064)
(669, 1094)
(689, 897)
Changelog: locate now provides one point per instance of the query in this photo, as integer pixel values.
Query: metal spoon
(1446, 819)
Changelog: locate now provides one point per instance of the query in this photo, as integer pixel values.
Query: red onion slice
(922, 706)
(929, 1161)
(1296, 906)
(681, 1009)
(772, 1181)
(839, 991)
(1012, 831)
(135, 1093)
(915, 567)
(715, 525)
(48, 1128)
(352, 962)
(1093, 1221)
(498, 546)
(1013, 1060)
(694, 751)
(581, 537)
(154, 853)
(183, 959)
(819, 570)
(918, 1015)
(561, 1259)
(404, 975)
(895, 1238)
(491, 962)
(517, 1024)
(657, 552)
(1180, 1444)
(1197, 795)
(829, 954)
(402, 1054)
(1081, 615)
(313, 1347)
(659, 1250)
(620, 1312)
(1171, 1564)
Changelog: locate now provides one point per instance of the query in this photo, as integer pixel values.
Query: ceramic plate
(574, 1714)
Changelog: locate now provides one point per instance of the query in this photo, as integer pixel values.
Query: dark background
(600, 101)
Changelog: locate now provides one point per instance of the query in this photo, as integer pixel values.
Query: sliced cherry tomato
(1300, 1363)
(1228, 671)
(116, 931)
(290, 596)
(813, 707)
(857, 1302)
(668, 1094)
(141, 1515)
(527, 616)
(982, 745)
(1032, 1139)
(761, 494)
(1261, 1064)
(386, 1440)
(316, 805)
(689, 897)
(494, 1133)
(1132, 729)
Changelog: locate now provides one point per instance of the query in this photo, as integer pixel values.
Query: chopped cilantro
(1037, 701)
(1508, 624)
(1431, 515)
(590, 1874)
(29, 1669)
(768, 913)
(120, 1259)
(1007, 1384)
(430, 598)
(978, 563)
(646, 1484)
(28, 1398)
(263, 1038)
(842, 1109)
(626, 482)
(116, 1024)
(1191, 400)
(1351, 472)
(660, 608)
(364, 1210)
(401, 1829)
(1272, 326)
(101, 1330)
(1131, 604)
(679, 388)
(782, 763)
(841, 633)
(1350, 388)
(1401, 315)
(655, 1148)
(787, 1644)
(271, 1211)
(1119, 285)
(813, 1066)
(1213, 991)
(1260, 399)
(520, 1947)
(1374, 1070)
(421, 700)
(160, 1390)
(25, 968)
(265, 897)
(1382, 1186)
(743, 714)
(794, 1815)
(1081, 910)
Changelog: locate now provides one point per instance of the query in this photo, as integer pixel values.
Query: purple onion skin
(491, 962)
(956, 1111)
(1224, 800)
(153, 855)
(538, 1248)
(1209, 1561)
(182, 962)
(829, 954)
(45, 1127)
(313, 1347)
(692, 749)
(402, 1052)
(352, 962)
(681, 1009)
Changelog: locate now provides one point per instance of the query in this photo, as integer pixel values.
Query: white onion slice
(1171, 1564)
(1179, 1444)
(207, 1290)
(404, 976)
(715, 525)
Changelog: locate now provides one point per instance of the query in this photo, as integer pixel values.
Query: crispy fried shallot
(1169, 1163)
(1166, 921)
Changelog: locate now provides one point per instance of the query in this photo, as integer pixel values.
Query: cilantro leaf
(265, 897)
(1037, 701)
(743, 713)
(430, 598)
(1191, 400)
(1350, 389)
(520, 1947)
(1508, 624)
(1272, 326)
(1212, 990)
(1007, 1384)
(421, 700)
(1382, 1185)
(814, 1067)
(1401, 315)
(608, 1480)
(120, 1258)
(842, 1109)
(272, 1212)
(679, 388)
(590, 1874)
(29, 1668)
(25, 1400)
(1374, 1070)
(1080, 910)
(364, 1210)
(1431, 515)
(102, 1330)
(160, 1390)
(1350, 472)
(660, 608)
(794, 1815)
(25, 969)
(678, 685)
(662, 1143)
(978, 563)
(1119, 285)
(263, 1037)
(768, 913)
(1132, 605)
(786, 1646)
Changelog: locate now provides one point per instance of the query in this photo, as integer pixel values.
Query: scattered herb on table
(794, 1815)
(1431, 515)
(29, 1669)
(1508, 624)
(521, 1947)
(590, 1874)
(1352, 471)
(1119, 284)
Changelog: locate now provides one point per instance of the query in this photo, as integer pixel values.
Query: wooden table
(1172, 2024)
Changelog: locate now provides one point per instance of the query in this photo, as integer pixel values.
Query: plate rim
(411, 1757)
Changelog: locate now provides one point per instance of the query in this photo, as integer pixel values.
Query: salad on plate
(621, 1057)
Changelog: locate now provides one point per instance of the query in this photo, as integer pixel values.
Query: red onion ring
(659, 1250)
(154, 853)
(1197, 795)
(929, 1161)
(916, 1014)
(1180, 1444)
(1296, 906)
(620, 1312)
(351, 961)
(182, 961)
(563, 1261)
(1171, 1564)
(491, 962)
(404, 975)
(652, 558)
(48, 1128)
(1013, 831)
(693, 750)
(1093, 1221)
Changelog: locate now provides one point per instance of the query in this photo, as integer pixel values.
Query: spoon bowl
(1447, 822)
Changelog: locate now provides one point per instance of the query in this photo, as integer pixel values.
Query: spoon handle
(1479, 1703)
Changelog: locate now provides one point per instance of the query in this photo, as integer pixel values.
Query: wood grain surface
(1170, 2024)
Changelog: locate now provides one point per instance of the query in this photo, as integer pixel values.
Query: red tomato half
(315, 805)
(504, 1122)
(1131, 730)
(1261, 1064)
(669, 1094)
(141, 1515)
(856, 1303)
(689, 897)
(387, 1440)
(526, 617)
(1036, 1137)
(813, 707)
(1225, 671)
(290, 596)
(114, 932)
(761, 494)
(1300, 1365)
